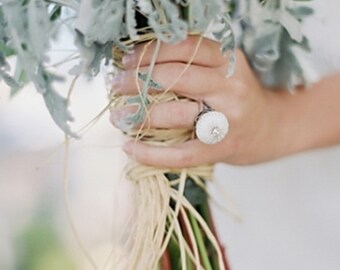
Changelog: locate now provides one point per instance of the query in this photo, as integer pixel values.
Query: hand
(259, 130)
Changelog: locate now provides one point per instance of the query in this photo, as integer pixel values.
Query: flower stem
(200, 242)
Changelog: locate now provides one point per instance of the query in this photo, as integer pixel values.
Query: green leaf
(138, 117)
(226, 37)
(101, 21)
(269, 42)
(152, 83)
(192, 192)
(131, 22)
(4, 75)
(5, 50)
(301, 12)
(58, 108)
(9, 80)
(55, 14)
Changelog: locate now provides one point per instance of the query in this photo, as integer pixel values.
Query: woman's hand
(261, 126)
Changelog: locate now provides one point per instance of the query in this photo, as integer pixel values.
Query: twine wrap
(160, 202)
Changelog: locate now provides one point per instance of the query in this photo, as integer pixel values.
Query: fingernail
(119, 117)
(128, 60)
(128, 147)
(117, 82)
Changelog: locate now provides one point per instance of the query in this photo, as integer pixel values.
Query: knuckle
(240, 89)
(238, 108)
(188, 45)
(236, 114)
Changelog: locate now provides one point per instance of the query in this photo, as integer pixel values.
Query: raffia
(154, 221)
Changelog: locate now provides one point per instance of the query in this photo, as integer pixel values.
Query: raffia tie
(154, 221)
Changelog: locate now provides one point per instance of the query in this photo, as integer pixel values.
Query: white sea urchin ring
(211, 126)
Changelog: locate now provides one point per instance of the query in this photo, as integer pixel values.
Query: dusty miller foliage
(27, 27)
(270, 36)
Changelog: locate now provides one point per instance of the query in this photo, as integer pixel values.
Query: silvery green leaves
(142, 102)
(101, 21)
(164, 18)
(4, 73)
(72, 4)
(131, 23)
(99, 26)
(142, 99)
(152, 84)
(5, 51)
(202, 13)
(269, 40)
(28, 29)
(173, 21)
(226, 36)
(271, 33)
(3, 32)
(91, 55)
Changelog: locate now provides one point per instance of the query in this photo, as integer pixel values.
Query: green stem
(204, 211)
(200, 242)
(190, 265)
(173, 249)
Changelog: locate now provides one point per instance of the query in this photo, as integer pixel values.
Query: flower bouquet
(172, 226)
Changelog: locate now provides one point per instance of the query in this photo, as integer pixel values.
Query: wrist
(308, 118)
(286, 131)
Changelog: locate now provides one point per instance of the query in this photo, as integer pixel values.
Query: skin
(264, 124)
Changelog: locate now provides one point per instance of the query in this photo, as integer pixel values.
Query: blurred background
(34, 230)
(290, 208)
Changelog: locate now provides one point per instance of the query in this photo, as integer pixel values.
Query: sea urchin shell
(212, 127)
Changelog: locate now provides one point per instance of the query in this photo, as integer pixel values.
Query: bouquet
(172, 226)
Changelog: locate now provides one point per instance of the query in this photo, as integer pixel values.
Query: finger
(208, 53)
(194, 82)
(189, 154)
(174, 114)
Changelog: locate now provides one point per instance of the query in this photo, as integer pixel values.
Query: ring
(210, 126)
